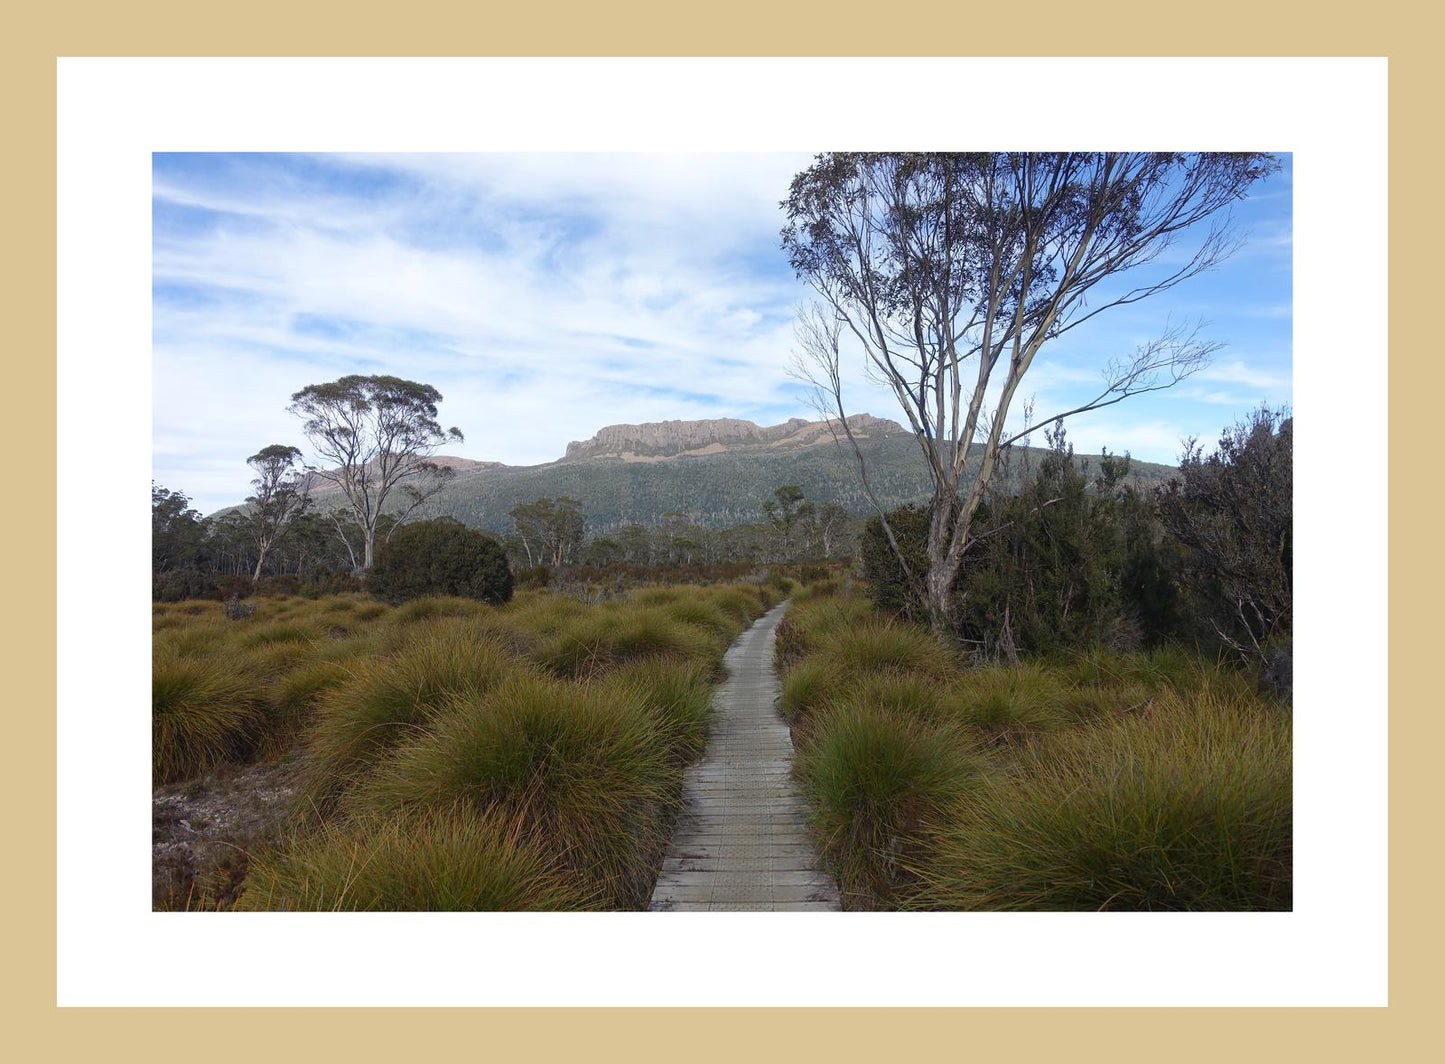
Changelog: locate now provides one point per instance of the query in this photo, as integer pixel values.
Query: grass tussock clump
(1095, 779)
(805, 686)
(433, 607)
(585, 772)
(605, 638)
(679, 694)
(1185, 807)
(874, 778)
(1009, 704)
(202, 713)
(418, 730)
(450, 861)
(879, 647)
(386, 699)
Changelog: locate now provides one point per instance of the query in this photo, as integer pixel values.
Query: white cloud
(612, 288)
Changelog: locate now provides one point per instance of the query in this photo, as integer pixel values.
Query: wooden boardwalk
(741, 842)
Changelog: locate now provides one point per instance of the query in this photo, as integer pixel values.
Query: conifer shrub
(441, 557)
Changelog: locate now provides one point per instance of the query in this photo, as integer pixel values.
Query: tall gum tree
(952, 271)
(375, 437)
(281, 496)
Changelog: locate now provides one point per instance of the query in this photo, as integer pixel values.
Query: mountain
(717, 472)
(676, 439)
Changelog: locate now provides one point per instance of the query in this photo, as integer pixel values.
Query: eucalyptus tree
(952, 271)
(375, 437)
(784, 511)
(551, 530)
(281, 496)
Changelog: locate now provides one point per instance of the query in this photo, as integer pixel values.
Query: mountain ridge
(717, 472)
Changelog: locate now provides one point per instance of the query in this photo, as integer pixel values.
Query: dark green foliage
(1065, 562)
(441, 557)
(889, 584)
(177, 532)
(177, 585)
(550, 529)
(1045, 570)
(1233, 513)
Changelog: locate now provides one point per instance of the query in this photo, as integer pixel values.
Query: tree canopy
(950, 271)
(374, 437)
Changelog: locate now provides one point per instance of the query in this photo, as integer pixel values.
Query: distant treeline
(1071, 552)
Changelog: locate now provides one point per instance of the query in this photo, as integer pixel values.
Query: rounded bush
(441, 557)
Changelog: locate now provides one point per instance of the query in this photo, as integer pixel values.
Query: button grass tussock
(446, 753)
(1084, 780)
(449, 754)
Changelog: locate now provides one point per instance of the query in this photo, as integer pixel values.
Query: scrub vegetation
(446, 753)
(1088, 779)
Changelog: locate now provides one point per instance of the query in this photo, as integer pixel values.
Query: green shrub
(441, 557)
(177, 585)
(448, 862)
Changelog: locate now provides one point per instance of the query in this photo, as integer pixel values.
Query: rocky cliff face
(668, 439)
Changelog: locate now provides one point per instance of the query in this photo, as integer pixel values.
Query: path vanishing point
(741, 842)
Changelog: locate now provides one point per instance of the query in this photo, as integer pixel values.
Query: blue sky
(547, 295)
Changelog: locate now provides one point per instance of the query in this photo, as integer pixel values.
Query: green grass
(679, 694)
(389, 698)
(202, 713)
(441, 737)
(879, 646)
(805, 686)
(585, 772)
(1009, 703)
(1096, 779)
(449, 862)
(607, 637)
(874, 778)
(1187, 807)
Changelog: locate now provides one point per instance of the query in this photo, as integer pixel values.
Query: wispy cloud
(544, 295)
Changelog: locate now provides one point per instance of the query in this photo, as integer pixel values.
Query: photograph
(676, 532)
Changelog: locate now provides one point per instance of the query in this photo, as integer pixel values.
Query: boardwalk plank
(741, 843)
